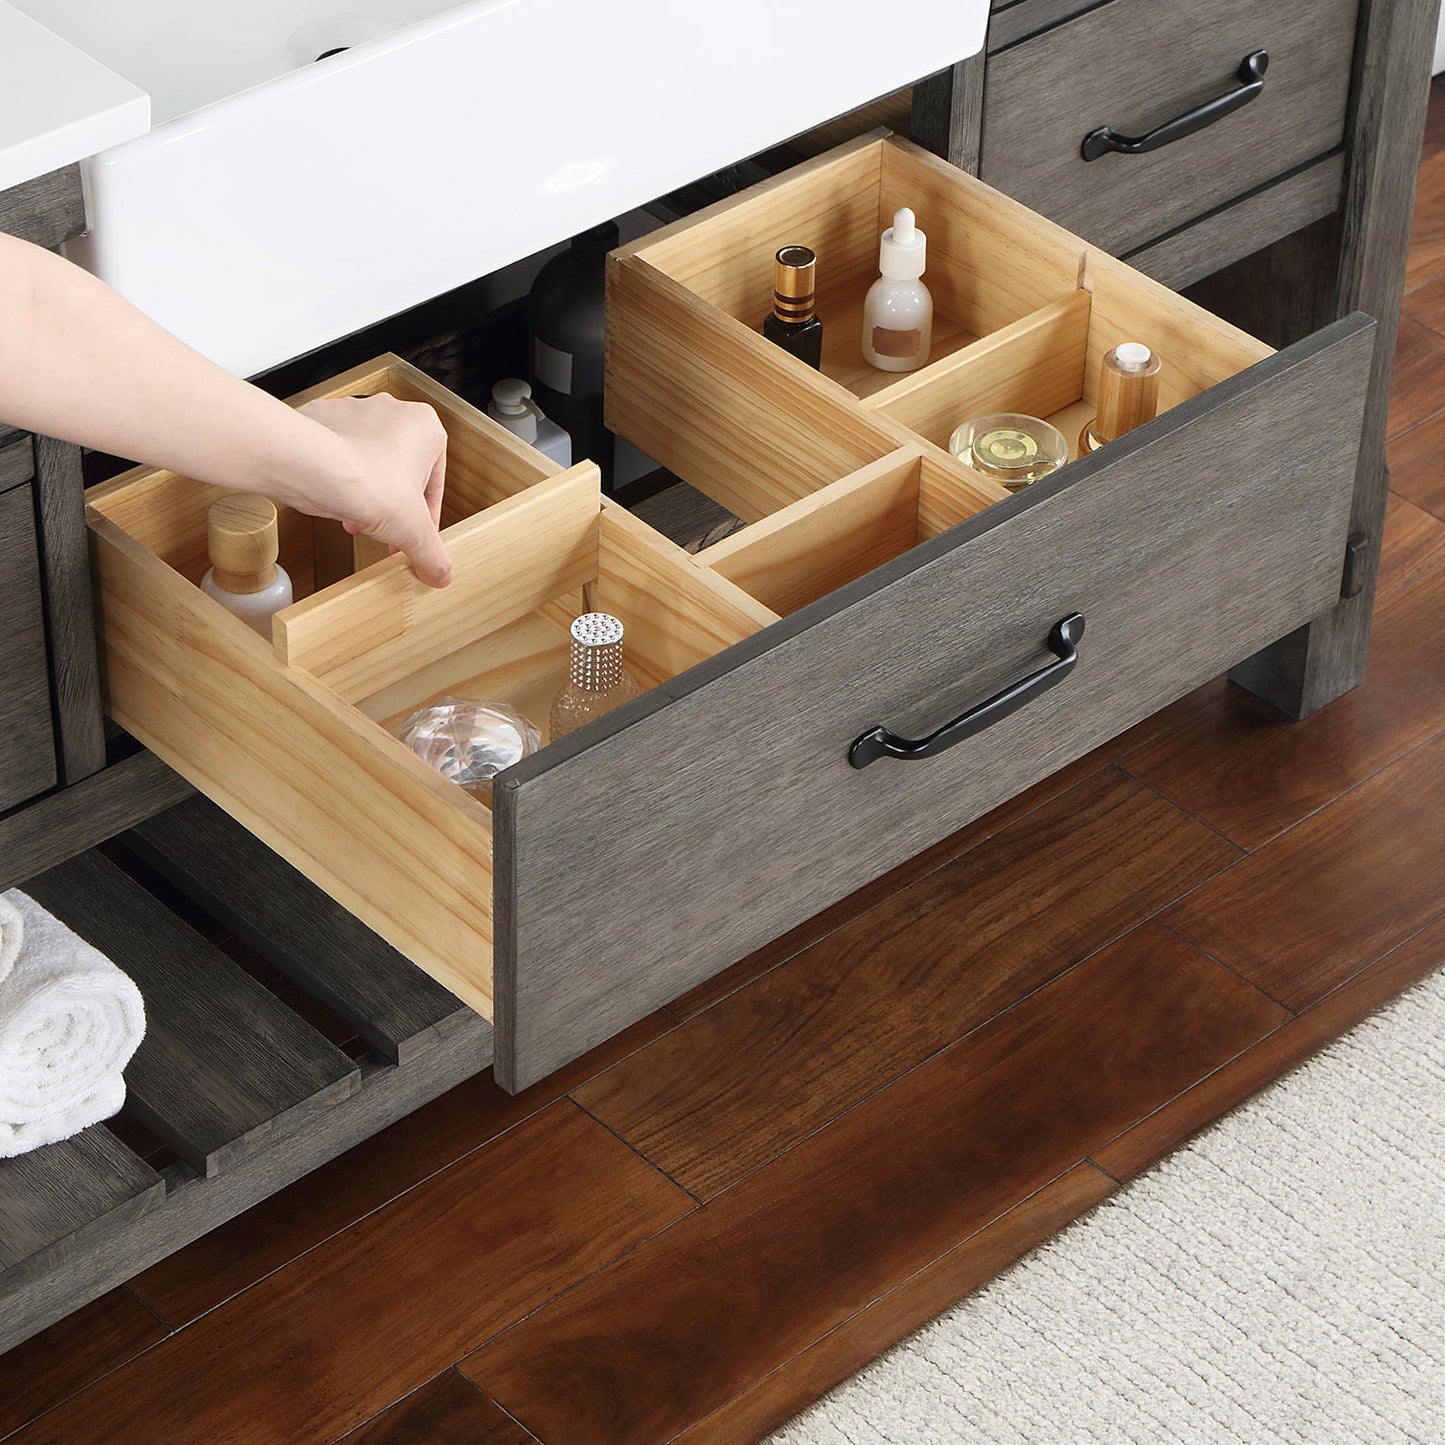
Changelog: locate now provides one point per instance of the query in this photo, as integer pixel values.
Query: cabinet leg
(1319, 662)
(1389, 94)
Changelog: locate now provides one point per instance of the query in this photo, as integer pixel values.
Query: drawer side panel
(723, 803)
(406, 851)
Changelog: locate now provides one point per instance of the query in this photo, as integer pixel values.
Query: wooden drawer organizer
(766, 653)
(841, 471)
(279, 1032)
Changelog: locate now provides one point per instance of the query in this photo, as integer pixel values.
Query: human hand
(391, 473)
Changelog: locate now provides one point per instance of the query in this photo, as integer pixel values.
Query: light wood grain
(1196, 350)
(724, 254)
(799, 554)
(990, 260)
(405, 850)
(676, 613)
(1035, 366)
(380, 626)
(715, 404)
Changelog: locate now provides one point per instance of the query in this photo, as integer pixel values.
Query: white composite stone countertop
(57, 105)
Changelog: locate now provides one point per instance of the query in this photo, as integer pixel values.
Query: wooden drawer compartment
(1135, 65)
(876, 581)
(292, 738)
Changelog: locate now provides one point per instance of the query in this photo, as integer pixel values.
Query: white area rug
(1282, 1278)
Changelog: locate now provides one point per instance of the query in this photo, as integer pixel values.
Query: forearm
(79, 362)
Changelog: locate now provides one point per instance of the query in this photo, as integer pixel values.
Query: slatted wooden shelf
(246, 1092)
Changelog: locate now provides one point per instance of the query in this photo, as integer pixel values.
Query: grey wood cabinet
(50, 695)
(1175, 583)
(1288, 242)
(27, 744)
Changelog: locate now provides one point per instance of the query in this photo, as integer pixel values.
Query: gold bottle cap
(794, 282)
(243, 539)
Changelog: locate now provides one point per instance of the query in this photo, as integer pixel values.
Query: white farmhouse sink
(279, 203)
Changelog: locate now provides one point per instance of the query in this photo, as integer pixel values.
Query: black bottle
(792, 324)
(565, 328)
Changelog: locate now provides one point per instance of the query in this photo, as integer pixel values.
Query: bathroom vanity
(877, 588)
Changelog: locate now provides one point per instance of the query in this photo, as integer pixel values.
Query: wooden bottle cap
(242, 536)
(1128, 391)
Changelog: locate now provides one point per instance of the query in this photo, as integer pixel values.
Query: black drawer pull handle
(1063, 642)
(1251, 72)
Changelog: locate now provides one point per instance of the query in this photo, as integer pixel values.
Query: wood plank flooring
(706, 1224)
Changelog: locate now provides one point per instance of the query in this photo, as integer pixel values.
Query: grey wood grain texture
(17, 459)
(27, 734)
(69, 609)
(47, 210)
(1009, 25)
(65, 1200)
(948, 108)
(224, 1064)
(399, 1010)
(687, 516)
(1308, 669)
(660, 844)
(193, 1205)
(61, 824)
(1246, 226)
(1135, 64)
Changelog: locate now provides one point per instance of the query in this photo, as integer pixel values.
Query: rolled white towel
(12, 931)
(69, 1022)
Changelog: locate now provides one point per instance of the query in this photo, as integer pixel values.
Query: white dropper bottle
(898, 310)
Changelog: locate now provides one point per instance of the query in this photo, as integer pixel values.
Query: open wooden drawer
(878, 583)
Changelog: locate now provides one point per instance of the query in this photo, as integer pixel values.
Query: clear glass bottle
(599, 682)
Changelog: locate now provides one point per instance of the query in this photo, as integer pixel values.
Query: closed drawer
(876, 582)
(27, 738)
(1135, 65)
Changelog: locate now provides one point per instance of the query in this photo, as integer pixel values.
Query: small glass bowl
(1009, 448)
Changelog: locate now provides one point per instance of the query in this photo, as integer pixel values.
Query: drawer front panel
(1134, 65)
(27, 737)
(708, 817)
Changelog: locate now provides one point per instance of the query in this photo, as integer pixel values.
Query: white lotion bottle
(243, 539)
(898, 310)
(512, 406)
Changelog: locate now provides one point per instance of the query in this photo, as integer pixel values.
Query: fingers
(430, 559)
(436, 483)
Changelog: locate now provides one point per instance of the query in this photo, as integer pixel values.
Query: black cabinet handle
(879, 742)
(1251, 72)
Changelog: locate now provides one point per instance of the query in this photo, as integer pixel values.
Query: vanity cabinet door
(1137, 66)
(27, 738)
(643, 856)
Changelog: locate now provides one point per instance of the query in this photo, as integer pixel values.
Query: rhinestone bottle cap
(596, 652)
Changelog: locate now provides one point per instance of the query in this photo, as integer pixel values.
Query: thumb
(429, 557)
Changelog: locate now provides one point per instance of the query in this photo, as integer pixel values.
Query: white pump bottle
(898, 310)
(513, 407)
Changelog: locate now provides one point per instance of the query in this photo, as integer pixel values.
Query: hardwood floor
(706, 1224)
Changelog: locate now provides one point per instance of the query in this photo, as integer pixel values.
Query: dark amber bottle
(792, 324)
